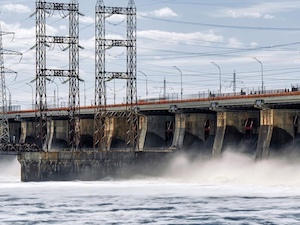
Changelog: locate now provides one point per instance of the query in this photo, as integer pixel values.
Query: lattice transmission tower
(4, 126)
(102, 75)
(71, 42)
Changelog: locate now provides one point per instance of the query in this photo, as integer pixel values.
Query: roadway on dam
(279, 99)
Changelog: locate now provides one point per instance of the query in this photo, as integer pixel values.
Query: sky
(177, 41)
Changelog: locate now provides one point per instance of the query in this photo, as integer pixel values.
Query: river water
(231, 190)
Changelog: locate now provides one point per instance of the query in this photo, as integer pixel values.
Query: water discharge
(235, 168)
(231, 168)
(10, 168)
(231, 190)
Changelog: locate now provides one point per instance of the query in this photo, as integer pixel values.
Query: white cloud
(269, 17)
(233, 42)
(112, 19)
(163, 12)
(262, 10)
(22, 37)
(253, 44)
(63, 27)
(87, 19)
(116, 18)
(243, 14)
(88, 44)
(174, 37)
(15, 8)
(114, 37)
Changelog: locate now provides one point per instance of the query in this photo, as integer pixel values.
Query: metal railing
(208, 95)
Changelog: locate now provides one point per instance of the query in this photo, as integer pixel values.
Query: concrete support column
(231, 131)
(220, 134)
(23, 132)
(180, 125)
(109, 130)
(265, 133)
(143, 124)
(50, 133)
(77, 132)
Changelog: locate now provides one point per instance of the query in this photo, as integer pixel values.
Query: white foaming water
(231, 168)
(235, 168)
(230, 190)
(10, 169)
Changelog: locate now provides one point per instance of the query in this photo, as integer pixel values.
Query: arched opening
(86, 141)
(154, 141)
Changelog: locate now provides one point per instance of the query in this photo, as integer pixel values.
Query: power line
(224, 26)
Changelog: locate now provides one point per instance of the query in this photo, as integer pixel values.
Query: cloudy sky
(187, 34)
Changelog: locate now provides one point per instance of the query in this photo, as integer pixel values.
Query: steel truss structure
(102, 76)
(70, 11)
(4, 126)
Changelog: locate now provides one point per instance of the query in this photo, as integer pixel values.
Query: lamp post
(180, 80)
(262, 73)
(32, 103)
(146, 82)
(220, 76)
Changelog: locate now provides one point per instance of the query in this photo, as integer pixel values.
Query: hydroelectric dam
(137, 137)
(256, 124)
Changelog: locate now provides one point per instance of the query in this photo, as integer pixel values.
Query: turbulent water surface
(232, 190)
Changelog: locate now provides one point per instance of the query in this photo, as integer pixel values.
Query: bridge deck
(279, 98)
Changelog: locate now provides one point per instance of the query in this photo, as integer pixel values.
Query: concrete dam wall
(260, 133)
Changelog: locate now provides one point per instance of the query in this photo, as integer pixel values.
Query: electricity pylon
(103, 75)
(4, 126)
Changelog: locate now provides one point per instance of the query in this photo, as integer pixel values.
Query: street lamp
(262, 74)
(146, 82)
(32, 103)
(180, 80)
(220, 75)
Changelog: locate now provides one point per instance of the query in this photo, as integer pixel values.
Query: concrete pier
(235, 129)
(278, 128)
(265, 133)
